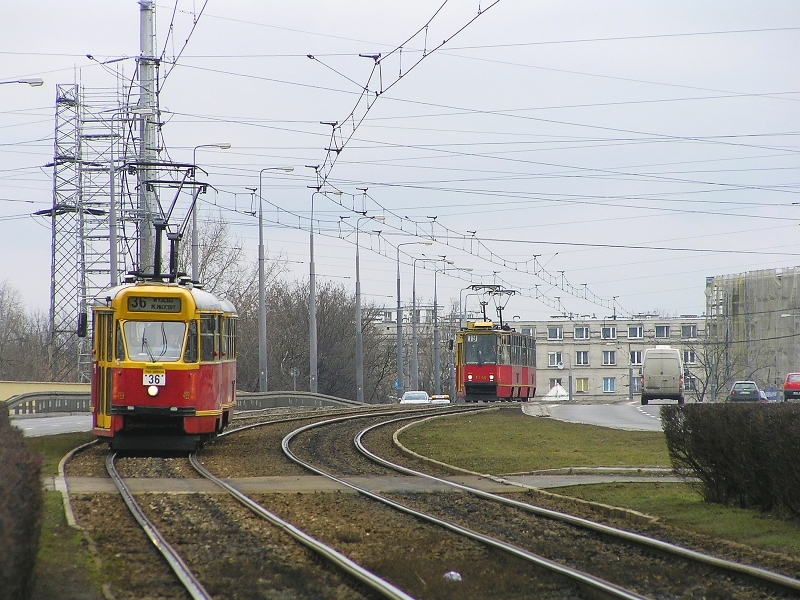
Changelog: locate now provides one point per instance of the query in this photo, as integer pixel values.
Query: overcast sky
(633, 148)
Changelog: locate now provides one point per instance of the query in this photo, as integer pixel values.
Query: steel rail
(756, 573)
(384, 588)
(584, 580)
(187, 578)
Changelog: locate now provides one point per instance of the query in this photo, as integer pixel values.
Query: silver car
(415, 397)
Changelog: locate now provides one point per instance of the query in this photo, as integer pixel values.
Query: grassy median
(507, 441)
(64, 566)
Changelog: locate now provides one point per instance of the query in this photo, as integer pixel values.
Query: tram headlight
(491, 377)
(152, 390)
(469, 376)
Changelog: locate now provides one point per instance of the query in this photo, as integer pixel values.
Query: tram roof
(203, 300)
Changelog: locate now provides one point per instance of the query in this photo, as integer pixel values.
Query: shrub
(738, 454)
(20, 512)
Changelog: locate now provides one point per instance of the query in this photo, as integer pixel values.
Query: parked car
(791, 387)
(415, 397)
(440, 399)
(744, 391)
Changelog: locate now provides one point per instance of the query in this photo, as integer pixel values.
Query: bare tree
(23, 340)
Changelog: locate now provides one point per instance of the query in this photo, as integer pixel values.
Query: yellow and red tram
(494, 363)
(164, 366)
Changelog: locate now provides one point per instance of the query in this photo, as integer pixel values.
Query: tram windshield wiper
(146, 346)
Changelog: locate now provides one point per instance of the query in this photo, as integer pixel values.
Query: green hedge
(745, 455)
(20, 512)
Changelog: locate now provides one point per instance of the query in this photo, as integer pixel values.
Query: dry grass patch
(507, 441)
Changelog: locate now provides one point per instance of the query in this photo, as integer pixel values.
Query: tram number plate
(154, 377)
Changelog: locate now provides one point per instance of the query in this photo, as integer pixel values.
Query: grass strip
(507, 441)
(65, 567)
(678, 505)
(52, 448)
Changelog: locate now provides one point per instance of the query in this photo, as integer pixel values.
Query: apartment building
(602, 357)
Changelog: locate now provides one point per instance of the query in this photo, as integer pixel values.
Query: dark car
(744, 391)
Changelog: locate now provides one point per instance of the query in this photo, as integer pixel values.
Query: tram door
(104, 355)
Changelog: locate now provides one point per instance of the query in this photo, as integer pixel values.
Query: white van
(662, 374)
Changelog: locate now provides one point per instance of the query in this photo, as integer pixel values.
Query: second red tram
(494, 363)
(164, 366)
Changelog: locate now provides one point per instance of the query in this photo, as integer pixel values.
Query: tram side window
(225, 323)
(505, 350)
(230, 332)
(208, 327)
(97, 337)
(190, 354)
(103, 335)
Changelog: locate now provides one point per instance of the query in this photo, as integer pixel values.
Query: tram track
(673, 571)
(165, 512)
(761, 576)
(316, 513)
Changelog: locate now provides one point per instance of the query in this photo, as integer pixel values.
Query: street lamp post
(312, 306)
(437, 376)
(262, 303)
(195, 242)
(400, 382)
(359, 336)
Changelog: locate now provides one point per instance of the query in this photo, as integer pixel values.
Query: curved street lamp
(33, 82)
(359, 335)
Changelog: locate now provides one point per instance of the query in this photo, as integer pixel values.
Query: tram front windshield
(154, 341)
(480, 349)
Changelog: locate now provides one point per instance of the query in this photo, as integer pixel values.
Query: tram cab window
(119, 349)
(154, 341)
(190, 354)
(208, 334)
(480, 349)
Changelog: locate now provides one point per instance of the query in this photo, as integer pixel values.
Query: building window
(608, 333)
(636, 385)
(609, 384)
(689, 357)
(582, 385)
(581, 333)
(635, 332)
(553, 359)
(554, 382)
(526, 331)
(690, 383)
(555, 333)
(688, 331)
(609, 357)
(662, 331)
(582, 358)
(636, 357)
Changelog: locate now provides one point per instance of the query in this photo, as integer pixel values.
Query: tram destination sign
(147, 304)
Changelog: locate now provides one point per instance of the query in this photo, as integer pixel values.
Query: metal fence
(32, 403)
(35, 403)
